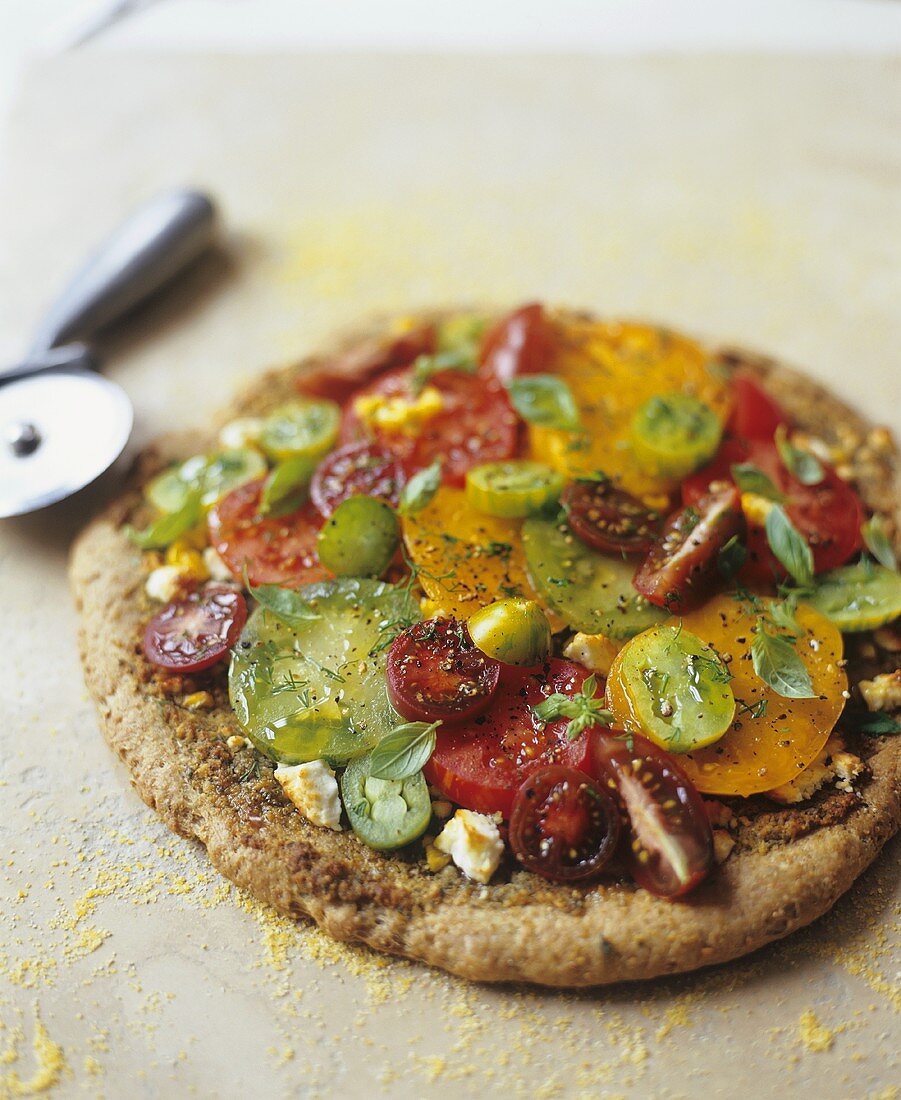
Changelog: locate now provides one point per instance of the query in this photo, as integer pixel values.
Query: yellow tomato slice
(612, 368)
(466, 559)
(771, 739)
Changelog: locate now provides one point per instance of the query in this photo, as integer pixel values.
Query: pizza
(533, 646)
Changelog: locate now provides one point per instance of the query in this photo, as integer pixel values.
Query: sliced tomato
(337, 379)
(563, 826)
(668, 844)
(520, 343)
(476, 424)
(275, 549)
(828, 515)
(755, 415)
(480, 764)
(609, 519)
(192, 634)
(360, 469)
(436, 673)
(680, 571)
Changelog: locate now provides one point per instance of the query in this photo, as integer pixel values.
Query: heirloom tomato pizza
(531, 645)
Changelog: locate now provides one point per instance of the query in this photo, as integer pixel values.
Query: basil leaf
(545, 400)
(292, 474)
(751, 479)
(782, 615)
(789, 546)
(583, 710)
(876, 537)
(731, 557)
(283, 603)
(420, 489)
(462, 360)
(802, 465)
(404, 751)
(777, 663)
(167, 528)
(878, 725)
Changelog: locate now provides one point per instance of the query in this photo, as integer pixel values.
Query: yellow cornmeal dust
(49, 1065)
(813, 1035)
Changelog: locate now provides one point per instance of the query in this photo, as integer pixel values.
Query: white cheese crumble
(473, 843)
(243, 432)
(215, 566)
(164, 583)
(314, 791)
(594, 651)
(883, 693)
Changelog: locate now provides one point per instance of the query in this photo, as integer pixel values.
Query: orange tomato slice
(771, 739)
(466, 560)
(612, 368)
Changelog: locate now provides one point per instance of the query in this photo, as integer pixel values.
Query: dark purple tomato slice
(680, 570)
(609, 519)
(192, 634)
(668, 846)
(520, 343)
(436, 673)
(564, 826)
(360, 469)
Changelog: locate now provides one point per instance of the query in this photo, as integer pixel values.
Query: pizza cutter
(61, 423)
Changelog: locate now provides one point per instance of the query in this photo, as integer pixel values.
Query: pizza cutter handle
(151, 247)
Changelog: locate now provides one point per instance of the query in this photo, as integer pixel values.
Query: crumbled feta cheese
(164, 583)
(215, 566)
(883, 693)
(594, 651)
(847, 768)
(314, 791)
(805, 784)
(723, 844)
(474, 844)
(198, 700)
(235, 742)
(243, 432)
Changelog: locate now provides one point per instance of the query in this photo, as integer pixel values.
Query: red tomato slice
(521, 343)
(360, 469)
(477, 424)
(435, 672)
(563, 826)
(755, 415)
(680, 570)
(480, 764)
(828, 515)
(337, 379)
(608, 518)
(668, 845)
(191, 634)
(275, 549)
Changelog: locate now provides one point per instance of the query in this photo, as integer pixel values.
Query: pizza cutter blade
(62, 425)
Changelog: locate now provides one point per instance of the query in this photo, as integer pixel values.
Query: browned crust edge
(508, 933)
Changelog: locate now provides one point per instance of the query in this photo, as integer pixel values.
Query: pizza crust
(522, 929)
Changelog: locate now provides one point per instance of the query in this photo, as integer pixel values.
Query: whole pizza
(534, 646)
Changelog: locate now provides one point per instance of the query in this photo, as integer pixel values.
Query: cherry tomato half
(668, 845)
(476, 424)
(480, 764)
(362, 469)
(192, 634)
(520, 343)
(609, 519)
(435, 672)
(681, 569)
(563, 826)
(755, 415)
(828, 515)
(275, 549)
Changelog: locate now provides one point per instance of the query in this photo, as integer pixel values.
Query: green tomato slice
(304, 427)
(514, 489)
(857, 597)
(359, 538)
(673, 434)
(385, 813)
(593, 592)
(208, 477)
(317, 689)
(676, 687)
(515, 631)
